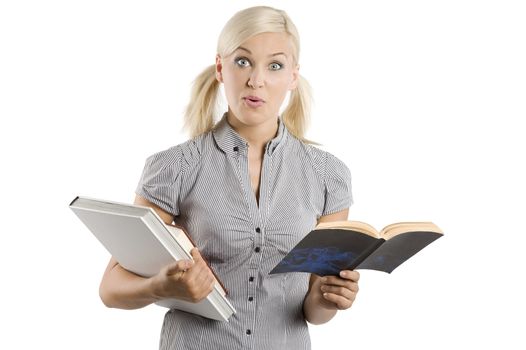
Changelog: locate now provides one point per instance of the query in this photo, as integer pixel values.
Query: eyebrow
(272, 55)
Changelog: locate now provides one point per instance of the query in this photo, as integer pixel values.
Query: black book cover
(329, 251)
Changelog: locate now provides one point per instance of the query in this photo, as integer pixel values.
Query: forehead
(266, 44)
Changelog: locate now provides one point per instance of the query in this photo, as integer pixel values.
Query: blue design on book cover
(326, 252)
(321, 261)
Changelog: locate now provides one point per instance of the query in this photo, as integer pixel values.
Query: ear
(219, 69)
(295, 78)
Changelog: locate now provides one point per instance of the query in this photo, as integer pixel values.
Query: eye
(275, 66)
(243, 62)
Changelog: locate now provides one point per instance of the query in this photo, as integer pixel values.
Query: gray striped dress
(205, 184)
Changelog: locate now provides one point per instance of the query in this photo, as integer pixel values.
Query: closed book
(143, 244)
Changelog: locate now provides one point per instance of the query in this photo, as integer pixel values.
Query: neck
(258, 135)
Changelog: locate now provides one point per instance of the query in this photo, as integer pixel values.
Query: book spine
(366, 253)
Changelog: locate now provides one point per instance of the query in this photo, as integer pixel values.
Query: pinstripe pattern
(205, 183)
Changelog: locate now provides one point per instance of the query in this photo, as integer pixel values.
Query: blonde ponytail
(297, 114)
(199, 114)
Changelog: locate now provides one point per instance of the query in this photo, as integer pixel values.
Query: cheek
(279, 87)
(231, 88)
(233, 81)
(280, 81)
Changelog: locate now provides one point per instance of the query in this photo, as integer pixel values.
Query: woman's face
(257, 76)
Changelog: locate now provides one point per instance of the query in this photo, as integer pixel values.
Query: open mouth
(252, 101)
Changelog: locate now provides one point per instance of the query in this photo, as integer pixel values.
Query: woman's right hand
(185, 279)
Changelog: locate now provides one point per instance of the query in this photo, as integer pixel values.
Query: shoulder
(187, 153)
(183, 156)
(333, 175)
(324, 163)
(166, 171)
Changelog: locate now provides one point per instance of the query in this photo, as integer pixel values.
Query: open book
(142, 243)
(348, 245)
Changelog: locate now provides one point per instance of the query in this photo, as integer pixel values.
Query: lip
(253, 102)
(253, 98)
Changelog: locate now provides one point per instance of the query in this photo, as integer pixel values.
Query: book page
(403, 227)
(181, 237)
(358, 226)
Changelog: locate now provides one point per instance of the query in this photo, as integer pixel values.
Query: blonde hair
(199, 114)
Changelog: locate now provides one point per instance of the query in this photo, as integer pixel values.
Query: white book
(142, 243)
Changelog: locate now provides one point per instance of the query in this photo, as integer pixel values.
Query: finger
(200, 275)
(342, 291)
(184, 264)
(200, 272)
(200, 282)
(199, 266)
(206, 291)
(336, 281)
(209, 285)
(199, 262)
(350, 275)
(178, 267)
(196, 254)
(339, 302)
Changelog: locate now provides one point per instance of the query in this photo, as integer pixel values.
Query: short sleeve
(338, 191)
(160, 182)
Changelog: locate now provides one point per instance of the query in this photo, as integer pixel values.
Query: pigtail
(199, 114)
(297, 114)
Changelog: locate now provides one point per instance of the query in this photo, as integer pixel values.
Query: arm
(327, 295)
(185, 279)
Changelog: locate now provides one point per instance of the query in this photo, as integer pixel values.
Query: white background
(422, 99)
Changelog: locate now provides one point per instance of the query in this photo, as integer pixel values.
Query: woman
(247, 188)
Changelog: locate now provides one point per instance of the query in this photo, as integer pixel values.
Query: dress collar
(232, 143)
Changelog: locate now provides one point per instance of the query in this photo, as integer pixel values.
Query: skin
(262, 66)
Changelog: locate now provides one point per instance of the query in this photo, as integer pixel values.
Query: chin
(251, 116)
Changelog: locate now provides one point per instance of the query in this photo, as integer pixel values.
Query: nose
(256, 79)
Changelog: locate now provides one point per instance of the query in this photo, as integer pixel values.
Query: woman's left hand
(339, 292)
